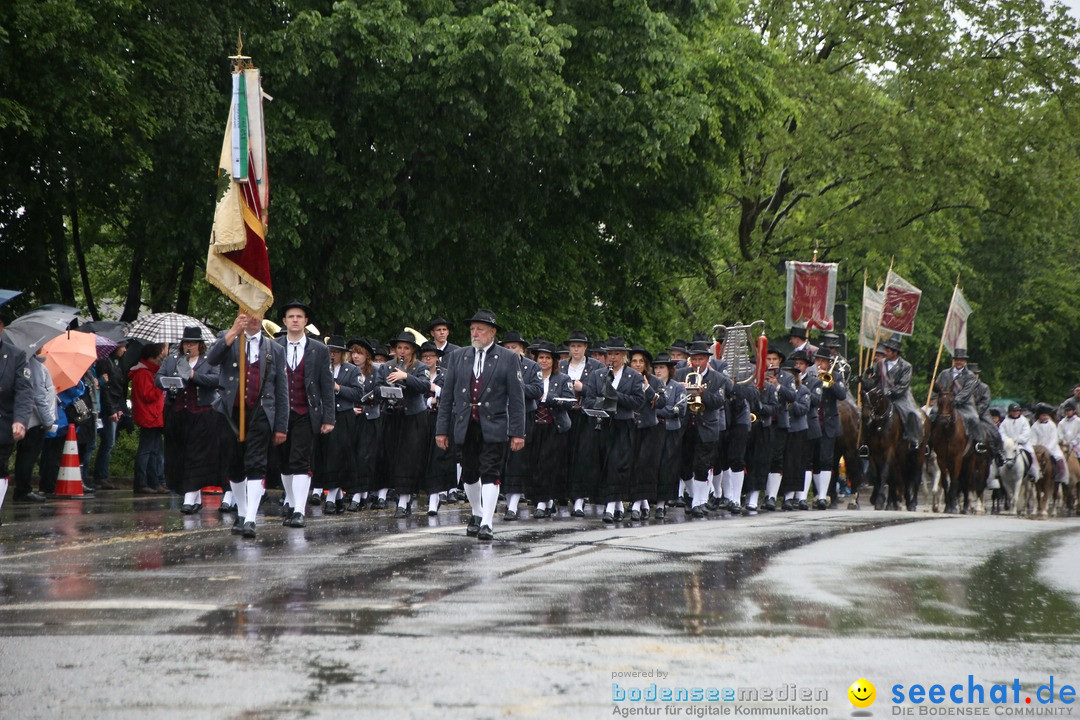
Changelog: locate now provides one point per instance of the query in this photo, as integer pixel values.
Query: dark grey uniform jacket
(502, 397)
(318, 382)
(273, 385)
(16, 392)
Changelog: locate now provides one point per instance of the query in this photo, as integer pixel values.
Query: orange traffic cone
(69, 482)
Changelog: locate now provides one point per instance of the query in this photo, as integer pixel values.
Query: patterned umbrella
(166, 328)
(68, 357)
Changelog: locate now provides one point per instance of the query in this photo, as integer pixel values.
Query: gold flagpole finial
(239, 57)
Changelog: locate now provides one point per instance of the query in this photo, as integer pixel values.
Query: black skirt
(406, 439)
(585, 458)
(548, 447)
(794, 462)
(670, 461)
(335, 463)
(367, 450)
(441, 474)
(192, 450)
(517, 473)
(618, 447)
(645, 476)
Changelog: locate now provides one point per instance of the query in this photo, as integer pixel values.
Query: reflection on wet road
(559, 596)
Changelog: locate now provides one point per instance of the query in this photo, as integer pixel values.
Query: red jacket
(147, 399)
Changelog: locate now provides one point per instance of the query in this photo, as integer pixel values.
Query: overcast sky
(1074, 6)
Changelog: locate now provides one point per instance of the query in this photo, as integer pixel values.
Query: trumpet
(829, 376)
(693, 393)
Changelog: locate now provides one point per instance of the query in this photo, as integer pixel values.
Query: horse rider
(982, 407)
(1017, 428)
(964, 386)
(1044, 432)
(894, 374)
(1069, 430)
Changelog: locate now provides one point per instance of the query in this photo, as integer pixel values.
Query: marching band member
(620, 393)
(786, 393)
(584, 441)
(795, 447)
(649, 437)
(440, 328)
(336, 458)
(368, 433)
(483, 406)
(311, 407)
(405, 424)
(829, 417)
(266, 420)
(762, 434)
(441, 474)
(813, 425)
(705, 426)
(670, 416)
(192, 449)
(551, 430)
(518, 471)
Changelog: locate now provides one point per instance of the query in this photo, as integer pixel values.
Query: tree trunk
(183, 295)
(80, 258)
(133, 302)
(58, 236)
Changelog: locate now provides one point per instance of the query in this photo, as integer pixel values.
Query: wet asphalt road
(121, 607)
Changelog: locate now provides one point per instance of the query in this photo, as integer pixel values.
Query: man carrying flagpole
(254, 395)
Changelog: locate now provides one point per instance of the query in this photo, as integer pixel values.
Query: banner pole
(241, 436)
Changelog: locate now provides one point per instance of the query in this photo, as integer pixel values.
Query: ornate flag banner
(955, 335)
(237, 262)
(811, 295)
(899, 306)
(871, 316)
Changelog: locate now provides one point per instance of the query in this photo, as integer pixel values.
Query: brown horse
(897, 466)
(1039, 493)
(847, 444)
(963, 471)
(1072, 464)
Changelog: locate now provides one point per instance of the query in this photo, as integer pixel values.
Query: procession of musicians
(590, 426)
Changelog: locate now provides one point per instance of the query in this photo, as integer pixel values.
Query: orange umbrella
(68, 356)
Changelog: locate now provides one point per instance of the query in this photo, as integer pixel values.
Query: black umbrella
(115, 331)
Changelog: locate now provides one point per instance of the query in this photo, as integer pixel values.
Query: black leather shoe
(802, 505)
(645, 514)
(401, 512)
(187, 509)
(788, 505)
(540, 514)
(227, 508)
(450, 499)
(105, 485)
(510, 516)
(661, 513)
(379, 504)
(296, 520)
(87, 490)
(249, 530)
(577, 513)
(29, 497)
(432, 513)
(698, 511)
(734, 509)
(821, 504)
(238, 527)
(713, 504)
(608, 518)
(635, 515)
(353, 506)
(474, 526)
(769, 504)
(619, 515)
(748, 510)
(315, 499)
(485, 533)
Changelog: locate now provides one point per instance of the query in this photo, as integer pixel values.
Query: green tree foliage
(630, 167)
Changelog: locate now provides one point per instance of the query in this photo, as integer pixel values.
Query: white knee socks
(4, 482)
(287, 483)
(821, 483)
(239, 490)
(736, 484)
(433, 502)
(772, 484)
(472, 491)
(255, 490)
(403, 500)
(512, 502)
(489, 498)
(806, 485)
(301, 484)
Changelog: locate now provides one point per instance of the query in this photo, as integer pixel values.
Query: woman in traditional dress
(441, 474)
(551, 430)
(368, 413)
(192, 450)
(335, 463)
(406, 420)
(669, 414)
(648, 437)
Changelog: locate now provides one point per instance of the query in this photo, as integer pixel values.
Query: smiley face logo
(862, 693)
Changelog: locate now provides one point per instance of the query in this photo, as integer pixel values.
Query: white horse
(1011, 474)
(931, 474)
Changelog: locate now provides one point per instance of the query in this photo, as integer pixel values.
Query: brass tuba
(693, 392)
(737, 350)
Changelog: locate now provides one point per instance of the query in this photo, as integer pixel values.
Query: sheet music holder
(390, 393)
(171, 382)
(598, 414)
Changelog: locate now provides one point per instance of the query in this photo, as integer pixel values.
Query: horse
(847, 445)
(1040, 493)
(898, 467)
(1011, 474)
(1072, 464)
(963, 471)
(931, 480)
